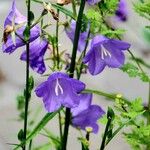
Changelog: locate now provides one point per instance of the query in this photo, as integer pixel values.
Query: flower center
(104, 52)
(58, 88)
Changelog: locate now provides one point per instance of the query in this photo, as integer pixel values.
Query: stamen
(57, 88)
(104, 52)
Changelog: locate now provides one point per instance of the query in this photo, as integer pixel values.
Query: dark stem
(105, 134)
(88, 136)
(72, 69)
(60, 126)
(27, 76)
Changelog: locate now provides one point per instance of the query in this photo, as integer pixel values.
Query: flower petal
(121, 45)
(88, 118)
(37, 51)
(117, 57)
(85, 102)
(95, 63)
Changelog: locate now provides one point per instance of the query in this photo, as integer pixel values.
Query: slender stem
(105, 134)
(74, 8)
(84, 52)
(148, 119)
(60, 126)
(57, 48)
(30, 145)
(27, 76)
(136, 61)
(72, 69)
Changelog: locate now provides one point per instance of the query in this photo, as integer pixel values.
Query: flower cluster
(59, 90)
(17, 22)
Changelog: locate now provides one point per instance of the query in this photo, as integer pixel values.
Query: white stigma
(104, 52)
(57, 88)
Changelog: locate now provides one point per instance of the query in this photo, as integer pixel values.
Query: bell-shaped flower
(105, 52)
(93, 2)
(70, 31)
(86, 115)
(60, 90)
(121, 12)
(17, 22)
(36, 55)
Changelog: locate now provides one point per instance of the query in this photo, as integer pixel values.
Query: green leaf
(21, 135)
(110, 113)
(26, 33)
(38, 128)
(133, 71)
(31, 83)
(64, 10)
(107, 95)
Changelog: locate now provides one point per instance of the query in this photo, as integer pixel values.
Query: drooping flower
(70, 31)
(60, 90)
(105, 52)
(36, 56)
(93, 2)
(86, 115)
(17, 22)
(121, 12)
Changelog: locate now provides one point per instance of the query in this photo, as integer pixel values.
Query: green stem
(134, 58)
(72, 69)
(148, 119)
(57, 49)
(27, 76)
(84, 52)
(74, 8)
(105, 134)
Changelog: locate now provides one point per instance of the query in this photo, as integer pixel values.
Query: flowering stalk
(27, 74)
(58, 60)
(72, 69)
(57, 50)
(84, 52)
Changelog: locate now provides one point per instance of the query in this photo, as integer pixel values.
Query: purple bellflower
(93, 2)
(86, 115)
(60, 90)
(17, 22)
(70, 31)
(105, 52)
(121, 12)
(37, 50)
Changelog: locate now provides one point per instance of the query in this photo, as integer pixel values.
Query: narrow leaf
(38, 128)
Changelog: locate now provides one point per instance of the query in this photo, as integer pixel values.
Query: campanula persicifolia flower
(60, 90)
(36, 56)
(70, 31)
(86, 115)
(121, 12)
(17, 23)
(105, 52)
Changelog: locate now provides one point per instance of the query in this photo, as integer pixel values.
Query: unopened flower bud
(89, 129)
(119, 96)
